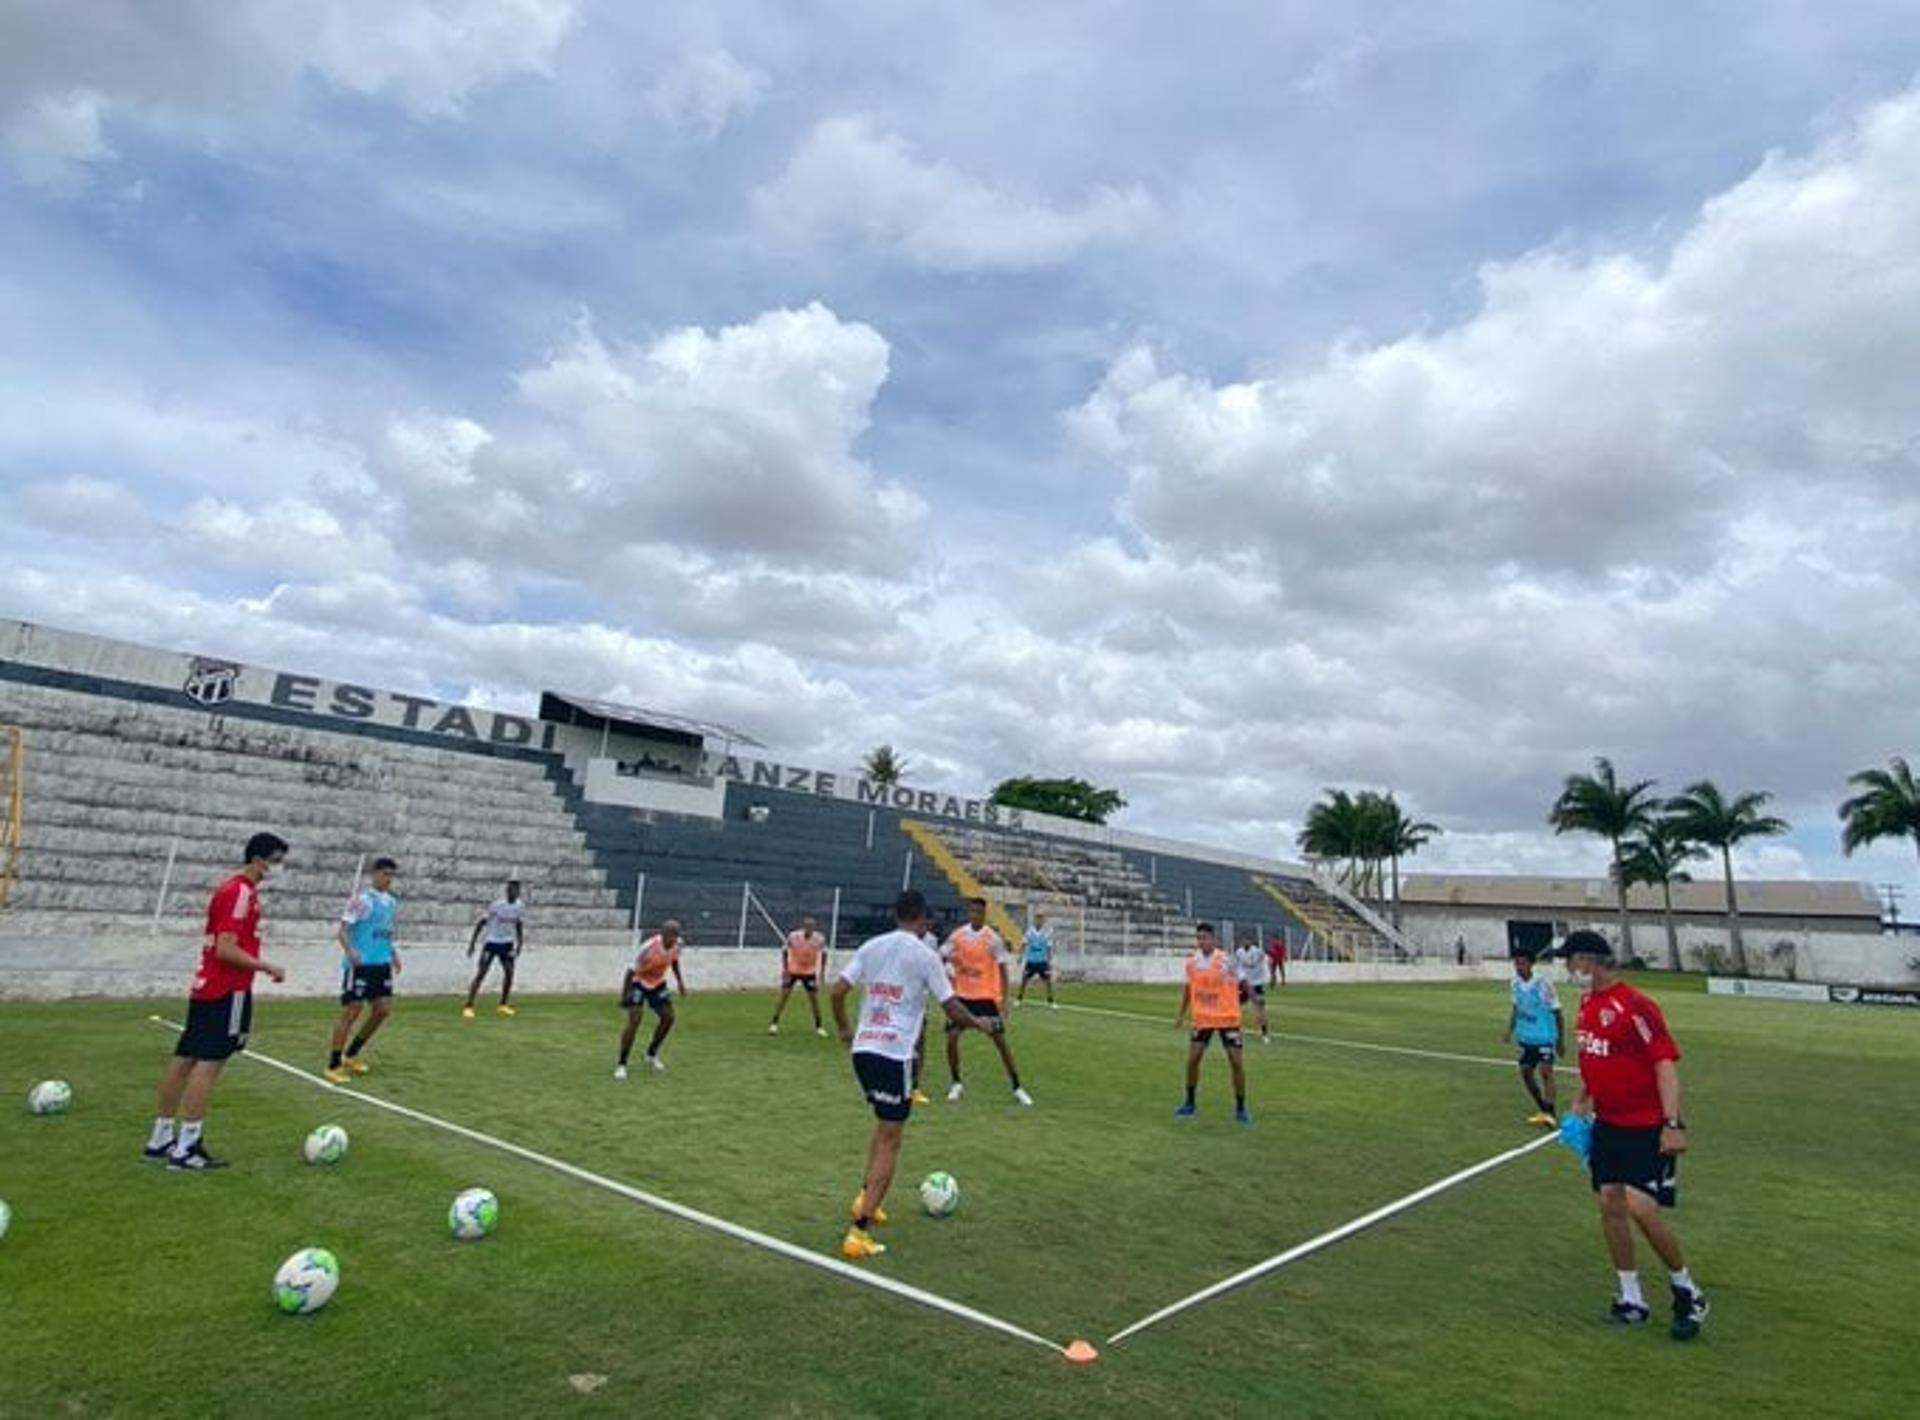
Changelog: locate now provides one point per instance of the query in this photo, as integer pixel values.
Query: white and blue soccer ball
(326, 1145)
(50, 1097)
(939, 1194)
(474, 1214)
(306, 1281)
(6, 1217)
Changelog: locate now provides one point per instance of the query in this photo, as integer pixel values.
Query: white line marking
(1327, 1239)
(669, 1207)
(1330, 1040)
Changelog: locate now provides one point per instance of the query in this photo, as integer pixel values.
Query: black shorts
(502, 952)
(1041, 969)
(216, 1029)
(1232, 1039)
(809, 983)
(988, 1011)
(1249, 992)
(638, 997)
(1531, 1055)
(1632, 1157)
(887, 1084)
(365, 983)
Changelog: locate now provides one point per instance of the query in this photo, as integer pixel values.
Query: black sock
(353, 1046)
(333, 1061)
(1016, 1081)
(1239, 1101)
(625, 1051)
(1190, 1090)
(863, 1222)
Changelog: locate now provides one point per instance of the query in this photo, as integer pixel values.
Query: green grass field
(128, 1290)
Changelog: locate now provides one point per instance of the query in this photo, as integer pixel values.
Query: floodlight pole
(746, 900)
(166, 881)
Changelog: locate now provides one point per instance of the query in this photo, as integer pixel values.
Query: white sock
(162, 1133)
(1630, 1289)
(189, 1136)
(1684, 1278)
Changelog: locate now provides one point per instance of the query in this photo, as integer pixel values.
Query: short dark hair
(385, 865)
(263, 846)
(910, 905)
(1585, 942)
(976, 902)
(1206, 927)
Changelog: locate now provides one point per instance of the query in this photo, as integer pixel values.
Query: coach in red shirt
(219, 1009)
(1630, 1087)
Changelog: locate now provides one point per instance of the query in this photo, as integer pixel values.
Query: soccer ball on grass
(305, 1281)
(939, 1194)
(50, 1097)
(326, 1145)
(474, 1214)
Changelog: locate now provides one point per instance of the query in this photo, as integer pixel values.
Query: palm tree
(1335, 832)
(1705, 816)
(1598, 803)
(1888, 807)
(1404, 837)
(884, 768)
(1658, 857)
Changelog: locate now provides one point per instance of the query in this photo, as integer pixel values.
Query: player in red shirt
(1630, 1087)
(219, 1009)
(1277, 955)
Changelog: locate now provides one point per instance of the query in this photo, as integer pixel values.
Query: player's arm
(1559, 1031)
(519, 936)
(679, 980)
(961, 1016)
(1673, 1133)
(226, 948)
(473, 942)
(345, 936)
(842, 988)
(626, 984)
(1513, 1014)
(1186, 1001)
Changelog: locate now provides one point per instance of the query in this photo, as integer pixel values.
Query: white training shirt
(502, 918)
(898, 973)
(1251, 964)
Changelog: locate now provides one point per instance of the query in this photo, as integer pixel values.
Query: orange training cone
(1081, 1353)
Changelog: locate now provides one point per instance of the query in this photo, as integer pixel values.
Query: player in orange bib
(977, 961)
(645, 985)
(1212, 997)
(803, 962)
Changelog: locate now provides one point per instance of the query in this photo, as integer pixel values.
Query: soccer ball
(50, 1097)
(327, 1145)
(474, 1214)
(6, 1217)
(305, 1281)
(939, 1194)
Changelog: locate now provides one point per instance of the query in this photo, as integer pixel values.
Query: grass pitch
(127, 1290)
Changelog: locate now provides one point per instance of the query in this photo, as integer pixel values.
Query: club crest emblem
(211, 682)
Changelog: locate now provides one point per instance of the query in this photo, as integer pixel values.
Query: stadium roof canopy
(605, 715)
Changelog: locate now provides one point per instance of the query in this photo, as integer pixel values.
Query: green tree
(883, 767)
(1708, 817)
(1598, 803)
(1336, 831)
(1064, 798)
(1887, 806)
(1402, 839)
(1658, 857)
(1364, 832)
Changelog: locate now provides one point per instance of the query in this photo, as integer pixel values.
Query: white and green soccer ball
(939, 1194)
(326, 1145)
(474, 1214)
(6, 1217)
(306, 1281)
(50, 1097)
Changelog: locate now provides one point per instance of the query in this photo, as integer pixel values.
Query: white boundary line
(665, 1205)
(1327, 1239)
(1330, 1040)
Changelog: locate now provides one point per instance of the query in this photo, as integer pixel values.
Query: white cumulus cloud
(705, 91)
(56, 138)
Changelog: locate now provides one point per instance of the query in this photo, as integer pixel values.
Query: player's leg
(811, 985)
(376, 1017)
(1616, 1227)
(1260, 1011)
(920, 1063)
(1547, 1094)
(999, 1039)
(1237, 1067)
(173, 1084)
(662, 1028)
(634, 1012)
(1527, 1078)
(1196, 1047)
(194, 1098)
(479, 975)
(350, 1008)
(1689, 1302)
(883, 1159)
(780, 1005)
(508, 960)
(956, 1089)
(1047, 976)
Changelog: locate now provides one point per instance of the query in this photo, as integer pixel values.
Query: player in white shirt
(504, 924)
(897, 973)
(1251, 966)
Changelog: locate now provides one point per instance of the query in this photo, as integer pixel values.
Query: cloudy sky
(1215, 401)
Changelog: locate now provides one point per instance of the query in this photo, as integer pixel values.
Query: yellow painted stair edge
(964, 882)
(1328, 933)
